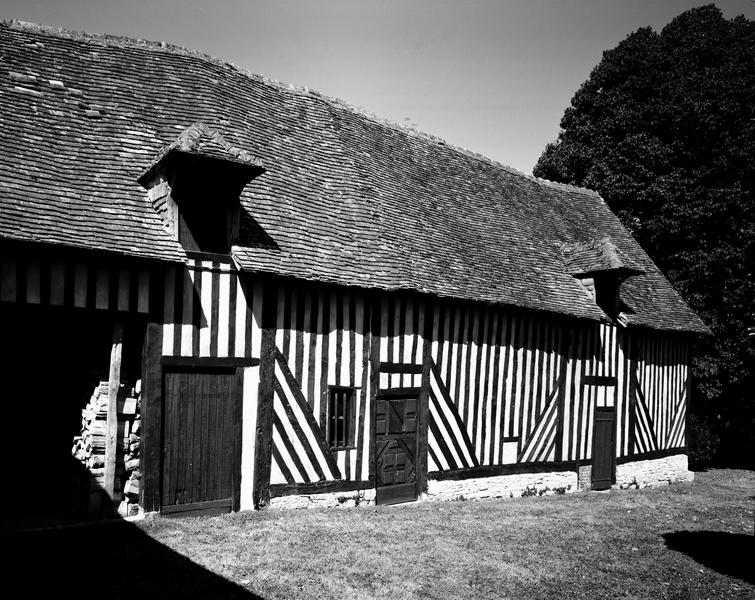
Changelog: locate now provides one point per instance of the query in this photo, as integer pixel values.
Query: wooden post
(111, 441)
(376, 306)
(266, 396)
(566, 349)
(688, 390)
(152, 405)
(634, 349)
(423, 410)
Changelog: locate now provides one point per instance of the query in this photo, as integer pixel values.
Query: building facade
(308, 305)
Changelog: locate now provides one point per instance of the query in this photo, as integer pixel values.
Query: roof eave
(247, 170)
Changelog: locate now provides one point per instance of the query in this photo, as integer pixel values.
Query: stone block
(654, 472)
(584, 478)
(347, 499)
(502, 486)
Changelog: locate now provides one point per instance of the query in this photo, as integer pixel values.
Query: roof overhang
(200, 146)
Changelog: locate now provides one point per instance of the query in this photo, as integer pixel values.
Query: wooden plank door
(396, 449)
(604, 448)
(201, 441)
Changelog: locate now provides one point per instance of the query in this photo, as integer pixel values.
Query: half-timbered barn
(228, 293)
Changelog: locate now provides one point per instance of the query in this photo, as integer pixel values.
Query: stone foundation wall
(503, 486)
(335, 500)
(639, 474)
(655, 472)
(584, 478)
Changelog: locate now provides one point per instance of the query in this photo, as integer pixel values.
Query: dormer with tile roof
(601, 267)
(194, 185)
(354, 200)
(383, 282)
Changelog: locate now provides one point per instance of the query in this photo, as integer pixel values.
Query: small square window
(341, 417)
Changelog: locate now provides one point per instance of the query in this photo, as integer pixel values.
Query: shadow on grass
(727, 553)
(106, 560)
(61, 547)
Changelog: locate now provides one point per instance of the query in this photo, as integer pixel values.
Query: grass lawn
(681, 541)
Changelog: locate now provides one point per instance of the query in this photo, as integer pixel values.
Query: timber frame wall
(500, 390)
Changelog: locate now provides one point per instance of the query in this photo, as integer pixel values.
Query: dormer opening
(601, 268)
(195, 185)
(208, 207)
(200, 229)
(606, 286)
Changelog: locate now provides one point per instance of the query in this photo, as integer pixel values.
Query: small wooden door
(201, 441)
(604, 448)
(396, 449)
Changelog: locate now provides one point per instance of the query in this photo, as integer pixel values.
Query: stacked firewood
(89, 446)
(132, 442)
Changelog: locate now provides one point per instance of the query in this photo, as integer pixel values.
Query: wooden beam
(633, 385)
(423, 410)
(152, 406)
(402, 392)
(230, 362)
(111, 440)
(391, 367)
(565, 351)
(513, 469)
(688, 389)
(375, 333)
(599, 380)
(264, 433)
(238, 433)
(622, 460)
(318, 487)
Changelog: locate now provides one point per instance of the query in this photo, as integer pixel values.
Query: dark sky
(493, 76)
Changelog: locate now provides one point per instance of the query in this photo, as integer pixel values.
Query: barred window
(341, 417)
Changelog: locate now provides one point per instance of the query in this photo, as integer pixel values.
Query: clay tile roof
(347, 198)
(595, 256)
(202, 140)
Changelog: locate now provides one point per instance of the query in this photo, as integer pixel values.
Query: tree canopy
(664, 130)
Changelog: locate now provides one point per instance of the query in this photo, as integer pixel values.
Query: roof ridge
(566, 187)
(402, 229)
(162, 46)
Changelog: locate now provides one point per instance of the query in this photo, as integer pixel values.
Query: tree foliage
(664, 130)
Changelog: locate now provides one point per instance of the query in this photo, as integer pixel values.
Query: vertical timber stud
(423, 409)
(264, 433)
(688, 390)
(237, 435)
(566, 341)
(633, 383)
(152, 417)
(111, 440)
(375, 333)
